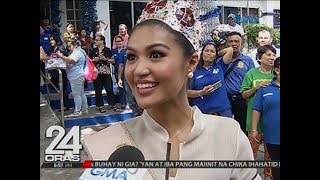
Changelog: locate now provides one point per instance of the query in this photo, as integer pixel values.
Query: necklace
(181, 130)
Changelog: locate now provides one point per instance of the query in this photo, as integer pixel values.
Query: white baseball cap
(231, 16)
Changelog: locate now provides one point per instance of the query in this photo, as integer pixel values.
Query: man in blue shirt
(45, 41)
(45, 44)
(48, 27)
(119, 54)
(234, 76)
(130, 100)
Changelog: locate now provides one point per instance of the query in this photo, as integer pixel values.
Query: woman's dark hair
(118, 36)
(102, 38)
(79, 33)
(57, 39)
(69, 24)
(263, 49)
(276, 64)
(205, 44)
(183, 42)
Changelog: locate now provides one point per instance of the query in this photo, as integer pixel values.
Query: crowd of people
(180, 86)
(74, 48)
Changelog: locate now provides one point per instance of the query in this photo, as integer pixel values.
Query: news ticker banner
(163, 164)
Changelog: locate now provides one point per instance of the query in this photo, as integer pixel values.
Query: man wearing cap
(233, 25)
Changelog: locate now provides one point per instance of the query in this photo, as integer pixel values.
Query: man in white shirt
(264, 38)
(234, 26)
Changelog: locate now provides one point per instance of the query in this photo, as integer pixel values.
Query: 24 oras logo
(60, 148)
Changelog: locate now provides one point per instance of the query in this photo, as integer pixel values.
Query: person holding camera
(207, 87)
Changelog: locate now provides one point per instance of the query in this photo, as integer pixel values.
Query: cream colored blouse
(211, 138)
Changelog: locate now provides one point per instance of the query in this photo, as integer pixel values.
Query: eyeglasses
(118, 41)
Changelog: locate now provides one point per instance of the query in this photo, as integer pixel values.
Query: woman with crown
(161, 57)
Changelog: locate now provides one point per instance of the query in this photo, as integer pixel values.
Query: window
(253, 17)
(276, 19)
(120, 13)
(74, 13)
(227, 11)
(138, 7)
(45, 8)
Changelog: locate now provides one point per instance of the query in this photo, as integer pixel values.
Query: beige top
(211, 138)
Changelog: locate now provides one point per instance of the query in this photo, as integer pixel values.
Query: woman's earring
(190, 75)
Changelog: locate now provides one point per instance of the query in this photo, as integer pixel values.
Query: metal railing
(60, 91)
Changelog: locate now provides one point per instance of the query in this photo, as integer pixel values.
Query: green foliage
(252, 31)
(276, 37)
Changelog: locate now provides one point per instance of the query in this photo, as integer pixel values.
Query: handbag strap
(112, 68)
(85, 56)
(231, 68)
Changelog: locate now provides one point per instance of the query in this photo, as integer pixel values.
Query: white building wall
(63, 14)
(104, 15)
(267, 10)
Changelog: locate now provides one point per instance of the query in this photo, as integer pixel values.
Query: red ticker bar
(87, 164)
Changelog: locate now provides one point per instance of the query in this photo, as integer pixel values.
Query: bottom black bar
(62, 165)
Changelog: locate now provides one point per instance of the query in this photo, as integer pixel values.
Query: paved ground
(49, 118)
